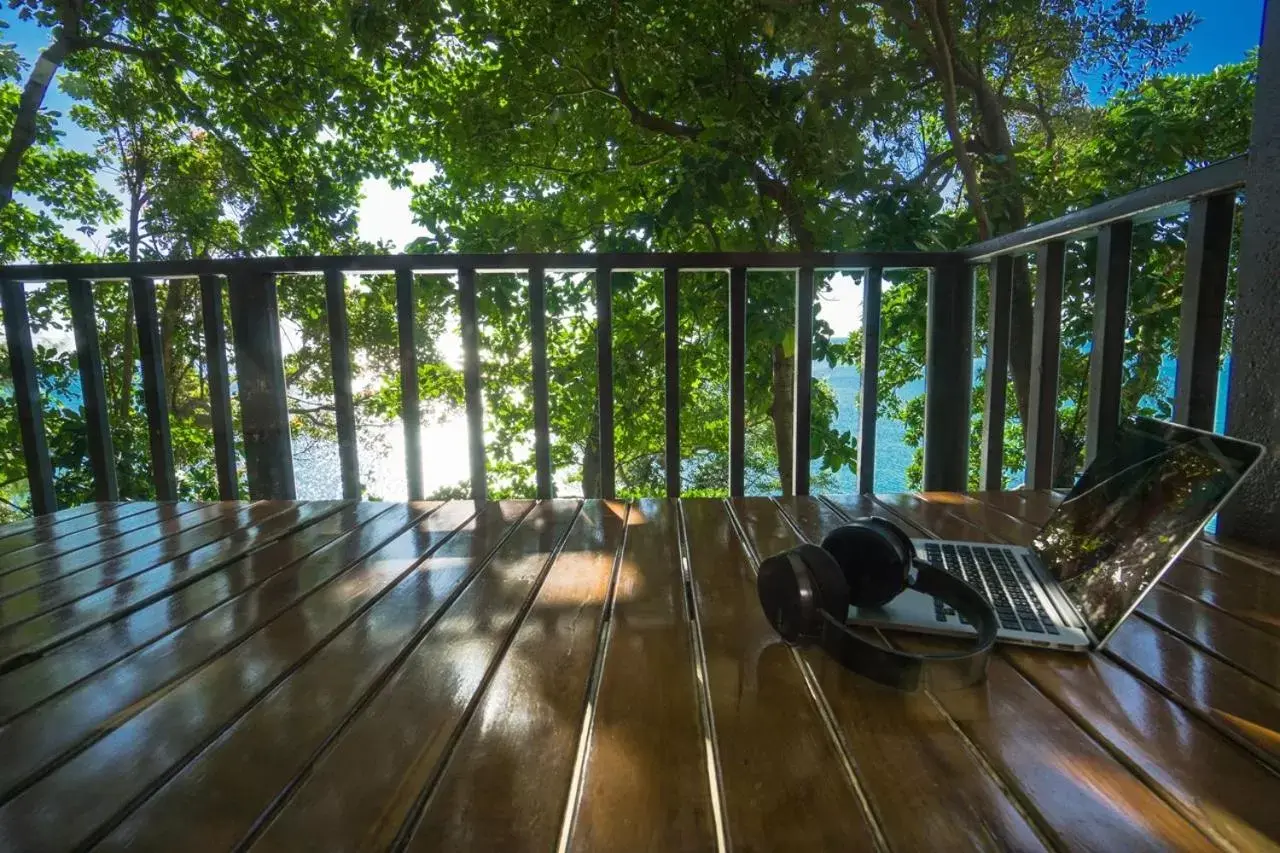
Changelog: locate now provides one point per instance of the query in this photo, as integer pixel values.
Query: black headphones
(806, 594)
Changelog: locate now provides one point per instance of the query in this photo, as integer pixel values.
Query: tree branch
(103, 43)
(648, 120)
(23, 134)
(939, 24)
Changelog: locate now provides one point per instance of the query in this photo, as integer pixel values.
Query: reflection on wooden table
(590, 675)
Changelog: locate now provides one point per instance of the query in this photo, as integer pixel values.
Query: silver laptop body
(1135, 508)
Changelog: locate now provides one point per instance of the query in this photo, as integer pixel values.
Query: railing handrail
(1163, 199)
(251, 284)
(481, 263)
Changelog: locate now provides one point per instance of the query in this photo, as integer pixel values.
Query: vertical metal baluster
(84, 324)
(737, 380)
(26, 396)
(1204, 295)
(471, 381)
(1046, 345)
(671, 340)
(869, 398)
(604, 377)
(541, 404)
(335, 297)
(1106, 356)
(154, 388)
(999, 317)
(264, 409)
(409, 410)
(802, 387)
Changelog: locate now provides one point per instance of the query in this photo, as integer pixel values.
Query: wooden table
(510, 676)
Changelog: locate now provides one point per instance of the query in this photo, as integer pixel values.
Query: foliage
(246, 128)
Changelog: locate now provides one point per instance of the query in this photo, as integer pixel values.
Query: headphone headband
(806, 593)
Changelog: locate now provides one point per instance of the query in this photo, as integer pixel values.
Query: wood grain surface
(589, 675)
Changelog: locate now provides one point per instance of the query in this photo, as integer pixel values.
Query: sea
(381, 446)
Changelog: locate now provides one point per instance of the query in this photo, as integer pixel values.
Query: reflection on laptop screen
(1133, 510)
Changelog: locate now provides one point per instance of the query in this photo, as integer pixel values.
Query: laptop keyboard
(993, 572)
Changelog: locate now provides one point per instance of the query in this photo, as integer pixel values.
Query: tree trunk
(591, 466)
(940, 26)
(23, 135)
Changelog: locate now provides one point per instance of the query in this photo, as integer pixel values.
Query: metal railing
(1210, 194)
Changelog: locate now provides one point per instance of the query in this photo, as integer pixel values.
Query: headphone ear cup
(871, 561)
(796, 586)
(833, 589)
(896, 534)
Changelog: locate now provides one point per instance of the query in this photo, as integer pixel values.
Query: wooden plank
(264, 413)
(400, 670)
(1234, 702)
(1110, 780)
(215, 353)
(414, 719)
(671, 375)
(1237, 705)
(999, 317)
(73, 720)
(522, 739)
(27, 397)
(155, 389)
(39, 634)
(906, 752)
(77, 804)
(1046, 345)
(471, 381)
(1257, 602)
(1106, 356)
(344, 411)
(869, 397)
(170, 540)
(1204, 295)
(604, 383)
(43, 525)
(1223, 790)
(1236, 642)
(1241, 552)
(58, 526)
(948, 377)
(802, 386)
(406, 323)
(111, 524)
(644, 776)
(780, 774)
(89, 636)
(84, 325)
(541, 396)
(737, 380)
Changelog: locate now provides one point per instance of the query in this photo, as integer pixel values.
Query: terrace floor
(594, 675)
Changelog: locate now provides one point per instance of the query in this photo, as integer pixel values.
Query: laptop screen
(1133, 511)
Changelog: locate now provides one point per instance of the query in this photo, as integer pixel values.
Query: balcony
(1207, 197)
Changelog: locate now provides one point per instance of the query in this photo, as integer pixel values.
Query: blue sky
(1228, 30)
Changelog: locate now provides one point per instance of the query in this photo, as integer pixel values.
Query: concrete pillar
(1253, 399)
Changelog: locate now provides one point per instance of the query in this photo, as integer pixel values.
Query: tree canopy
(231, 129)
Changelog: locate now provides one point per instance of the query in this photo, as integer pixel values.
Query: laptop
(1132, 512)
